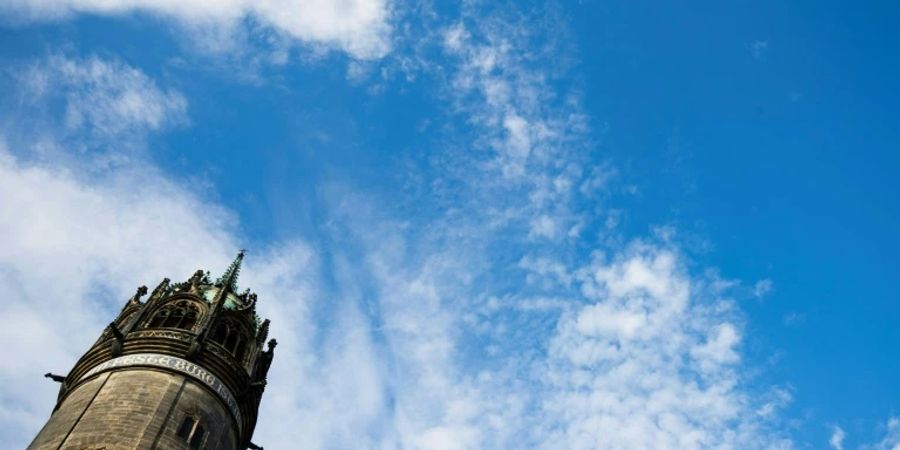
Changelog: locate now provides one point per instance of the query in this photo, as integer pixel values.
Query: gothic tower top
(194, 350)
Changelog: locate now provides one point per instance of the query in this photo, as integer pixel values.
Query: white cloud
(762, 288)
(78, 240)
(74, 248)
(623, 350)
(72, 251)
(543, 226)
(647, 364)
(508, 96)
(499, 81)
(641, 353)
(546, 269)
(359, 27)
(435, 407)
(91, 111)
(758, 48)
(106, 96)
(718, 349)
(836, 441)
(518, 143)
(891, 440)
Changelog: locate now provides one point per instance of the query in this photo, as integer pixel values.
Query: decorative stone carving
(168, 334)
(136, 299)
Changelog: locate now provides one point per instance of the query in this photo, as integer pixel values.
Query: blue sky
(478, 225)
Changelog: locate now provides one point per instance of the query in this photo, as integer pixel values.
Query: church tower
(184, 369)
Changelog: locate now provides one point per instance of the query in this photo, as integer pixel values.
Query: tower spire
(228, 280)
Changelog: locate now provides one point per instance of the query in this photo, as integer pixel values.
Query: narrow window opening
(231, 341)
(197, 438)
(229, 336)
(192, 432)
(239, 351)
(187, 425)
(219, 335)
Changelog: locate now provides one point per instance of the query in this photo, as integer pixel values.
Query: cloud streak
(106, 98)
(891, 440)
(515, 318)
(358, 27)
(836, 441)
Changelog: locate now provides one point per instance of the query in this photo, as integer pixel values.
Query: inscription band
(178, 365)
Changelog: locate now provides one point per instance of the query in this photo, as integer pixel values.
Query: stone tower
(184, 369)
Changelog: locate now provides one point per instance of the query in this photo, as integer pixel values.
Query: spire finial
(228, 280)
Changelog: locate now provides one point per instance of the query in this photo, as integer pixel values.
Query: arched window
(229, 335)
(177, 315)
(175, 318)
(231, 341)
(220, 333)
(190, 318)
(160, 318)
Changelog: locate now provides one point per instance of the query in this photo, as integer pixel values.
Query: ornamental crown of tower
(185, 369)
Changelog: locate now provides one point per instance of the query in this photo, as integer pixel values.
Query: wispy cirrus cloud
(891, 440)
(515, 316)
(86, 110)
(103, 97)
(634, 351)
(358, 27)
(836, 441)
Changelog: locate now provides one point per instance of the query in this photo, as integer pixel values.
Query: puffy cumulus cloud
(359, 27)
(648, 363)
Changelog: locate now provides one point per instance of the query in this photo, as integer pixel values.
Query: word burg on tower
(185, 369)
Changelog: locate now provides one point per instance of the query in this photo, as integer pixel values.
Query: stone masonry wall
(64, 418)
(135, 409)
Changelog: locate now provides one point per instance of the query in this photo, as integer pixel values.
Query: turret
(184, 369)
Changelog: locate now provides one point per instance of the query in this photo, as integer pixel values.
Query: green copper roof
(232, 301)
